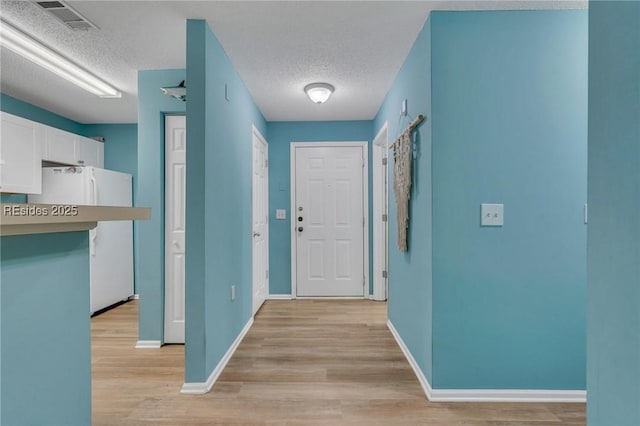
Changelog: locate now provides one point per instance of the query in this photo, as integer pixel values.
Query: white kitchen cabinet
(59, 146)
(68, 148)
(20, 155)
(89, 152)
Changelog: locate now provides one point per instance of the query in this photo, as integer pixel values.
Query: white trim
(485, 395)
(256, 133)
(134, 297)
(148, 344)
(380, 206)
(199, 388)
(279, 297)
(424, 382)
(365, 200)
(331, 298)
(507, 395)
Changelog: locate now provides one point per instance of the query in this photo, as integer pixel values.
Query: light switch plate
(281, 214)
(492, 214)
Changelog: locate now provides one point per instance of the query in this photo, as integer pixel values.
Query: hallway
(303, 362)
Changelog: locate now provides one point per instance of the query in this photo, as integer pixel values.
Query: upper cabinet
(89, 152)
(59, 146)
(68, 148)
(20, 155)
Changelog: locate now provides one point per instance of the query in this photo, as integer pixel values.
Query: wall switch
(233, 292)
(403, 108)
(491, 214)
(281, 214)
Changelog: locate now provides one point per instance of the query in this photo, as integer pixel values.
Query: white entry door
(175, 185)
(329, 221)
(260, 220)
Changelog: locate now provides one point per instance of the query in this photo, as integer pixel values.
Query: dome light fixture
(319, 92)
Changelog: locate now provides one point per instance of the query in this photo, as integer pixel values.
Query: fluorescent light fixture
(28, 48)
(319, 92)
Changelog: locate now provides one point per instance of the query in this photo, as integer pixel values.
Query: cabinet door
(59, 146)
(88, 152)
(20, 155)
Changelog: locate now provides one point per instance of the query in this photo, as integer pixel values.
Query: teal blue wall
(509, 126)
(410, 283)
(219, 179)
(149, 237)
(279, 135)
(613, 351)
(45, 342)
(26, 110)
(504, 94)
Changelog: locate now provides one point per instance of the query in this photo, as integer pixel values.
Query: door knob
(300, 229)
(256, 234)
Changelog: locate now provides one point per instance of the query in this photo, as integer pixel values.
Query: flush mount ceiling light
(319, 92)
(38, 53)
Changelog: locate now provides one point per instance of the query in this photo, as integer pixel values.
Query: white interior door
(380, 211)
(260, 220)
(329, 221)
(175, 185)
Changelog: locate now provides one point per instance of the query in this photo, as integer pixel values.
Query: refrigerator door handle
(93, 234)
(94, 186)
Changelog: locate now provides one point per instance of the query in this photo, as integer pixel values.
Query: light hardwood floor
(304, 362)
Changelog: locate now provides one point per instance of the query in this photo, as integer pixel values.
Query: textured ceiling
(277, 48)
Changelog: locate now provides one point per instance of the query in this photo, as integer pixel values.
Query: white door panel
(175, 186)
(260, 191)
(329, 221)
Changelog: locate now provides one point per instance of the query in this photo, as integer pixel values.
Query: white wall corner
(426, 387)
(485, 395)
(279, 297)
(148, 344)
(199, 388)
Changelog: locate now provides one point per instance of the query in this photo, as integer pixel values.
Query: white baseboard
(484, 395)
(148, 344)
(279, 297)
(134, 297)
(199, 388)
(507, 395)
(426, 387)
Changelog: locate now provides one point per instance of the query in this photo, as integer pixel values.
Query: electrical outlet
(233, 292)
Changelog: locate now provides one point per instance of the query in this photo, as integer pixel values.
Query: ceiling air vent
(66, 14)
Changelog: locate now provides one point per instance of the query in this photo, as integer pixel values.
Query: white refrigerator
(110, 243)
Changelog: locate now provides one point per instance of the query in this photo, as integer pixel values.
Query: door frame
(164, 226)
(380, 195)
(365, 200)
(255, 132)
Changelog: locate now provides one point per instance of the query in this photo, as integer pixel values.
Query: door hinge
(267, 274)
(384, 274)
(385, 217)
(363, 283)
(363, 222)
(266, 163)
(384, 161)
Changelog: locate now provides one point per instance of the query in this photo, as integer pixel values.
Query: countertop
(21, 219)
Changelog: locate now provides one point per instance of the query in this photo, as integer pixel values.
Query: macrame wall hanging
(402, 159)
